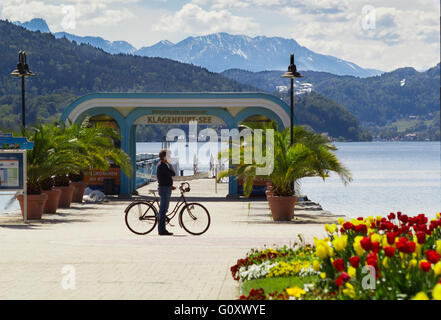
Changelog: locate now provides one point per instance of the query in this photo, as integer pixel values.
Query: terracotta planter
(269, 190)
(282, 208)
(35, 205)
(53, 198)
(66, 196)
(78, 193)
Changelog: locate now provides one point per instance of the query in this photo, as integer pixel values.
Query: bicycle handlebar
(184, 187)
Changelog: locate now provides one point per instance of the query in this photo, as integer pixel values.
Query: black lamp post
(292, 73)
(22, 71)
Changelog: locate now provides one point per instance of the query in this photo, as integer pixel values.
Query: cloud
(85, 12)
(311, 6)
(193, 19)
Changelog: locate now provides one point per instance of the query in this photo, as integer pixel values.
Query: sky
(379, 34)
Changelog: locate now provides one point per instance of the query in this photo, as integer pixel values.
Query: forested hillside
(66, 70)
(380, 99)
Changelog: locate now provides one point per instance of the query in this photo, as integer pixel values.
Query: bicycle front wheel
(194, 218)
(141, 217)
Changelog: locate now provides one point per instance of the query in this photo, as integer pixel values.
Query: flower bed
(393, 257)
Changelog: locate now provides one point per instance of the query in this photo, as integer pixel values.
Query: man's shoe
(166, 233)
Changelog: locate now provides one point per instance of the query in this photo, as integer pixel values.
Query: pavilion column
(233, 188)
(125, 181)
(133, 157)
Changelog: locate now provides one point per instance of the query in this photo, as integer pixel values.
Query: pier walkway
(86, 251)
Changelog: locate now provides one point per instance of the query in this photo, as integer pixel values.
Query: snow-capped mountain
(220, 51)
(113, 47)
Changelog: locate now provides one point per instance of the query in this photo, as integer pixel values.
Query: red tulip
(354, 261)
(366, 243)
(421, 236)
(375, 246)
(348, 226)
(339, 264)
(391, 237)
(425, 266)
(389, 251)
(432, 256)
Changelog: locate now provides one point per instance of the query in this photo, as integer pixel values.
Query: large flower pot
(66, 196)
(269, 190)
(53, 198)
(35, 205)
(282, 208)
(78, 193)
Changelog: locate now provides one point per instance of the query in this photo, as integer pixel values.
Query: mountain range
(220, 51)
(66, 70)
(375, 100)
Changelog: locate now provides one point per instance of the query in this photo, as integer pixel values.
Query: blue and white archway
(127, 109)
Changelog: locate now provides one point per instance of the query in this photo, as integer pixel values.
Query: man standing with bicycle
(164, 173)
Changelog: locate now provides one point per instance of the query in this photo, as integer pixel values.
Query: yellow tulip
(331, 252)
(327, 228)
(341, 221)
(413, 263)
(357, 246)
(295, 292)
(316, 265)
(385, 262)
(421, 296)
(340, 242)
(349, 291)
(321, 251)
(437, 268)
(376, 237)
(323, 275)
(436, 292)
(438, 246)
(438, 215)
(352, 272)
(384, 242)
(418, 249)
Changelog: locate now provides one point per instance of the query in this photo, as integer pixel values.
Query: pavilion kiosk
(13, 166)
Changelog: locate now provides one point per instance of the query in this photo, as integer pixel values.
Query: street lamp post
(22, 71)
(291, 74)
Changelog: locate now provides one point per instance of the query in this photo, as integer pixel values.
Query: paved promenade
(88, 250)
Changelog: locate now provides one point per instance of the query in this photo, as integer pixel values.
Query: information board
(11, 171)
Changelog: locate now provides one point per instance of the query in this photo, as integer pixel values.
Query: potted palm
(62, 183)
(79, 186)
(37, 170)
(94, 148)
(311, 155)
(36, 200)
(53, 195)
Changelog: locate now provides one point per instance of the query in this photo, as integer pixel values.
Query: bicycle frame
(181, 202)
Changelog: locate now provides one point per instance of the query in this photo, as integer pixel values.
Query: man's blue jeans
(164, 195)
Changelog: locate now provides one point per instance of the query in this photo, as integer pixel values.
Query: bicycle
(141, 216)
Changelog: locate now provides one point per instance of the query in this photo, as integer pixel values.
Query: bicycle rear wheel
(194, 218)
(141, 217)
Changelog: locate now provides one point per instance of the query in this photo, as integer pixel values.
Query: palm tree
(95, 145)
(46, 158)
(60, 149)
(311, 155)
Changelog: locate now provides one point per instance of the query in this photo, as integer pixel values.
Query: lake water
(387, 177)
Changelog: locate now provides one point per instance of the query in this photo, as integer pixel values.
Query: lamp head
(292, 70)
(22, 69)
